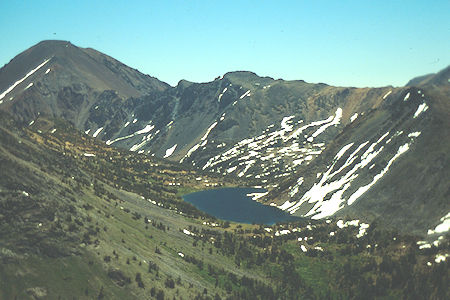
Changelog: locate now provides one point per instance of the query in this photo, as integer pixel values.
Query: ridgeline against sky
(347, 43)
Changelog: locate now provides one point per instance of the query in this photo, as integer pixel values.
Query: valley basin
(234, 204)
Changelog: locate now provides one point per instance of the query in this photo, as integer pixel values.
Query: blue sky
(346, 43)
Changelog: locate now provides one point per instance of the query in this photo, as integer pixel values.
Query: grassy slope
(105, 211)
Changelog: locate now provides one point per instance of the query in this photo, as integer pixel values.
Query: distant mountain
(319, 149)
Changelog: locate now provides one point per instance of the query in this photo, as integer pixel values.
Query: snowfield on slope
(327, 194)
(259, 157)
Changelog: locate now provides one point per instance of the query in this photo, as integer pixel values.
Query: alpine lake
(237, 205)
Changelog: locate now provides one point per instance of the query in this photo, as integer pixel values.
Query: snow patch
(407, 97)
(362, 230)
(341, 224)
(295, 188)
(286, 205)
(189, 153)
(209, 130)
(387, 94)
(440, 258)
(344, 150)
(187, 232)
(422, 108)
(247, 93)
(248, 164)
(146, 129)
(336, 120)
(256, 196)
(96, 133)
(203, 139)
(282, 232)
(443, 227)
(284, 123)
(423, 245)
(2, 95)
(221, 94)
(414, 134)
(170, 151)
(232, 169)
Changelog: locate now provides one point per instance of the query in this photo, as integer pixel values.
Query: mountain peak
(53, 71)
(53, 43)
(49, 48)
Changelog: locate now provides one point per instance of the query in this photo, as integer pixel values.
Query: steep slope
(242, 124)
(57, 78)
(390, 164)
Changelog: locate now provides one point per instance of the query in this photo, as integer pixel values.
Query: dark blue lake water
(233, 204)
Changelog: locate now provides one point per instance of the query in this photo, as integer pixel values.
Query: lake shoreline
(238, 204)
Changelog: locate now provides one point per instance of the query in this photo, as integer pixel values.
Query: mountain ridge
(91, 206)
(256, 128)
